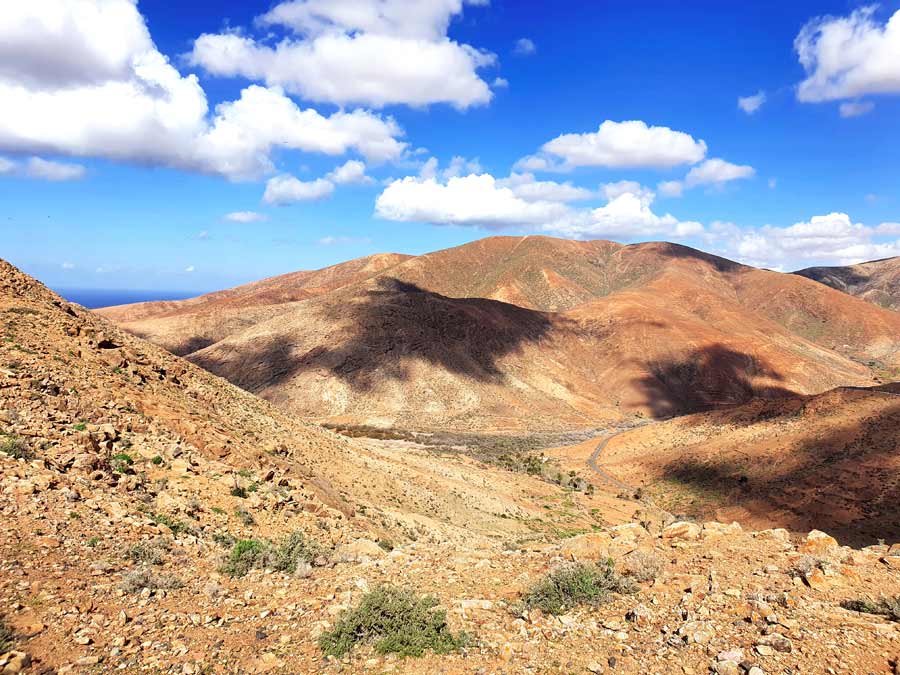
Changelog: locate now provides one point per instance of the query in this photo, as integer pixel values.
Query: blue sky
(587, 120)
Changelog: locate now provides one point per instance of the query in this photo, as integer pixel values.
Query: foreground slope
(830, 461)
(877, 281)
(127, 475)
(527, 332)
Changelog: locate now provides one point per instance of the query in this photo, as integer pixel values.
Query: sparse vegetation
(121, 463)
(157, 460)
(386, 545)
(149, 553)
(7, 637)
(14, 446)
(806, 564)
(244, 516)
(248, 554)
(642, 566)
(137, 580)
(397, 621)
(176, 526)
(238, 491)
(886, 607)
(576, 584)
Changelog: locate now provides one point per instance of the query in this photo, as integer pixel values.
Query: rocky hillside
(877, 281)
(158, 519)
(527, 332)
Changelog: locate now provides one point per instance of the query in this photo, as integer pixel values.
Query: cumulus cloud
(888, 228)
(847, 57)
(244, 217)
(612, 190)
(856, 108)
(285, 189)
(527, 187)
(482, 201)
(352, 171)
(828, 239)
(104, 90)
(716, 172)
(42, 169)
(670, 188)
(750, 104)
(375, 52)
(524, 47)
(630, 144)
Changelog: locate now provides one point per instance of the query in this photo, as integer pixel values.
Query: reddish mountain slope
(509, 332)
(877, 281)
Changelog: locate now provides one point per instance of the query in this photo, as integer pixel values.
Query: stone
(596, 668)
(716, 529)
(818, 543)
(816, 579)
(640, 616)
(776, 641)
(778, 533)
(727, 668)
(591, 547)
(358, 550)
(14, 662)
(682, 530)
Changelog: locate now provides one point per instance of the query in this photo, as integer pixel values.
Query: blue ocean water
(94, 298)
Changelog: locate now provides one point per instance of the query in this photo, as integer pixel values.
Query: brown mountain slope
(877, 281)
(583, 332)
(831, 461)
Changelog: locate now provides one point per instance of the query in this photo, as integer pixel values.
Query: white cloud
(524, 47)
(482, 201)
(750, 104)
(716, 172)
(42, 169)
(630, 144)
(68, 266)
(856, 108)
(525, 186)
(190, 269)
(540, 163)
(461, 166)
(376, 52)
(830, 239)
(53, 171)
(103, 90)
(352, 171)
(612, 190)
(342, 241)
(473, 200)
(500, 83)
(244, 217)
(670, 188)
(888, 228)
(286, 189)
(847, 57)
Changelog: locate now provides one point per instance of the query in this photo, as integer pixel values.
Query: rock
(591, 547)
(682, 530)
(755, 670)
(892, 561)
(727, 668)
(640, 616)
(735, 655)
(596, 668)
(778, 533)
(716, 529)
(14, 662)
(629, 532)
(358, 550)
(818, 543)
(777, 642)
(816, 579)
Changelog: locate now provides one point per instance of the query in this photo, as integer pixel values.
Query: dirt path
(605, 475)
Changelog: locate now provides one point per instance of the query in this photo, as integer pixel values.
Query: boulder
(592, 546)
(682, 530)
(818, 543)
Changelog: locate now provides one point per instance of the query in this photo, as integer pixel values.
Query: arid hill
(830, 461)
(877, 281)
(527, 332)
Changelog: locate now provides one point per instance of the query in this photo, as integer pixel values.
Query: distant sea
(93, 298)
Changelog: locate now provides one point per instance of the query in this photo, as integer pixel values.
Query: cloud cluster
(244, 217)
(374, 52)
(750, 104)
(631, 144)
(42, 169)
(848, 57)
(104, 90)
(828, 239)
(483, 201)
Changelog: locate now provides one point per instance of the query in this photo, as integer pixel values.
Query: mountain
(526, 333)
(828, 461)
(156, 517)
(877, 281)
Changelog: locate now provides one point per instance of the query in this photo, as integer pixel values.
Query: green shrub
(244, 516)
(245, 555)
(386, 545)
(81, 426)
(121, 463)
(176, 526)
(14, 446)
(248, 554)
(642, 566)
(576, 584)
(238, 491)
(157, 460)
(7, 637)
(397, 621)
(887, 607)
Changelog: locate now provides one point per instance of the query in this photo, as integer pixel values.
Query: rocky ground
(127, 476)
